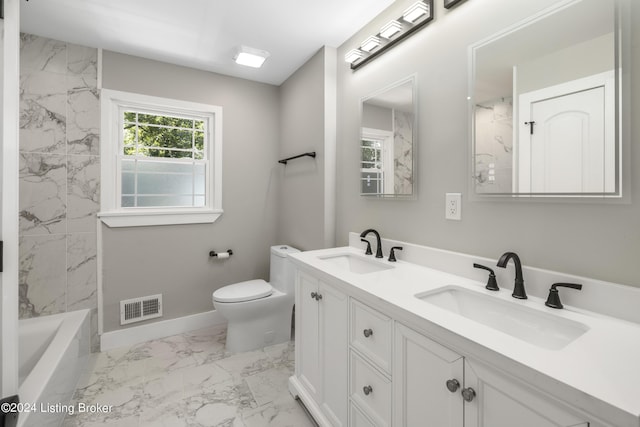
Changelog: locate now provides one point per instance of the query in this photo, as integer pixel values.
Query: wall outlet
(453, 206)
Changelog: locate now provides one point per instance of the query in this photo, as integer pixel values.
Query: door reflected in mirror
(545, 96)
(388, 141)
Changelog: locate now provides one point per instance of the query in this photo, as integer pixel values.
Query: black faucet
(379, 248)
(518, 288)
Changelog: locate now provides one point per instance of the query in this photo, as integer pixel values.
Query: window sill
(150, 218)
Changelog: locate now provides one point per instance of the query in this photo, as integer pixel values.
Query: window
(372, 176)
(161, 161)
(376, 162)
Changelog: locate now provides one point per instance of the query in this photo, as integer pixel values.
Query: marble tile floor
(190, 380)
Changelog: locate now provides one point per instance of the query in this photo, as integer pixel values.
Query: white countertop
(599, 372)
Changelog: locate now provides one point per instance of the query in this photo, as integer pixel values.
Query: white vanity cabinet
(434, 383)
(421, 370)
(370, 362)
(322, 349)
(358, 366)
(503, 402)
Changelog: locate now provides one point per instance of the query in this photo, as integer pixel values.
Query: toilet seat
(243, 291)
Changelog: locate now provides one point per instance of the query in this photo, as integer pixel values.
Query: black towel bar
(310, 154)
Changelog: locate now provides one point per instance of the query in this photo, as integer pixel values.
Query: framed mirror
(388, 141)
(545, 104)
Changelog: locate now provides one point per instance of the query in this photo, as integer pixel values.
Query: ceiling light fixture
(412, 19)
(370, 44)
(251, 57)
(391, 29)
(415, 12)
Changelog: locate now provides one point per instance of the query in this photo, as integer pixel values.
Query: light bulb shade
(415, 12)
(370, 44)
(391, 29)
(251, 57)
(353, 56)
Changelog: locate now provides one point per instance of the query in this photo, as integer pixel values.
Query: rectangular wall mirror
(545, 97)
(388, 141)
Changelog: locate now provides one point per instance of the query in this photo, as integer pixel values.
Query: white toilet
(259, 313)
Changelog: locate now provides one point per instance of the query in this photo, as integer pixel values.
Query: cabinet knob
(453, 385)
(468, 394)
(314, 295)
(318, 297)
(367, 390)
(367, 332)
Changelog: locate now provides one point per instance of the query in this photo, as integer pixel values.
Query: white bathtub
(53, 352)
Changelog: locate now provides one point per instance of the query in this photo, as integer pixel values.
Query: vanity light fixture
(415, 12)
(391, 29)
(353, 56)
(412, 19)
(370, 44)
(250, 57)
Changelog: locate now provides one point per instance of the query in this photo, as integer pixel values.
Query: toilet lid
(243, 291)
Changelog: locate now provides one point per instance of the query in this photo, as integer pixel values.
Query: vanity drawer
(371, 334)
(370, 390)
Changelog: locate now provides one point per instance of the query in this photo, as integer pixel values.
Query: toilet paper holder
(224, 254)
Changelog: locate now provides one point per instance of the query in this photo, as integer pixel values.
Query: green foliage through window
(151, 135)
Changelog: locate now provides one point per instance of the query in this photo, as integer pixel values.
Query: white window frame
(113, 103)
(387, 155)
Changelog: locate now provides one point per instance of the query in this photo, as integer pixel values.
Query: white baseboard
(161, 329)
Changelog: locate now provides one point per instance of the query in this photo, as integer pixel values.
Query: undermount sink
(355, 263)
(535, 327)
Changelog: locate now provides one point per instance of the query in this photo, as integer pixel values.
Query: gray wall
(590, 239)
(376, 117)
(305, 216)
(173, 260)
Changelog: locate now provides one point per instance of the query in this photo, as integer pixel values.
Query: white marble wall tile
(494, 146)
(82, 60)
(81, 271)
(43, 193)
(42, 275)
(43, 112)
(83, 193)
(42, 54)
(83, 114)
(403, 152)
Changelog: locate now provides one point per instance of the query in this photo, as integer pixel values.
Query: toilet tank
(281, 273)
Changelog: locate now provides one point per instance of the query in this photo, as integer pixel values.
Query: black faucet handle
(553, 300)
(368, 251)
(492, 283)
(392, 254)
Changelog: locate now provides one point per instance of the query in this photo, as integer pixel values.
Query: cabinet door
(307, 356)
(334, 356)
(421, 370)
(502, 402)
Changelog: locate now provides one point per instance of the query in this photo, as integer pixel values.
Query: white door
(422, 396)
(567, 138)
(9, 75)
(500, 402)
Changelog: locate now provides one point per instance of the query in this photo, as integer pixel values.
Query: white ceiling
(204, 34)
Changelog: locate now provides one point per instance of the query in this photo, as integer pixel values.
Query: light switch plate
(453, 206)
